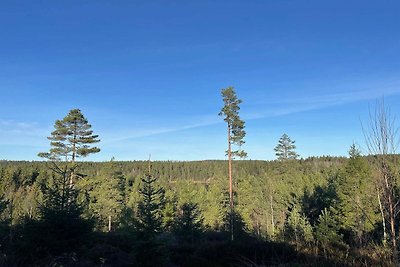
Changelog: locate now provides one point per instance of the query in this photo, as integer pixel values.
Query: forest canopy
(329, 210)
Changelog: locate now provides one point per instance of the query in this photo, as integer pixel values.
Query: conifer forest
(199, 133)
(318, 211)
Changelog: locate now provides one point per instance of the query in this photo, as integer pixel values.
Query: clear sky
(148, 74)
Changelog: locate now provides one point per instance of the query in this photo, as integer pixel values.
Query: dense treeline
(308, 211)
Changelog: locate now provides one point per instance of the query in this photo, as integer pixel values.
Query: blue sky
(148, 74)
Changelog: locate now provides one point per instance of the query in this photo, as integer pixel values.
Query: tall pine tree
(236, 134)
(71, 139)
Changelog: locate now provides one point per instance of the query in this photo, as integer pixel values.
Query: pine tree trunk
(71, 181)
(71, 178)
(74, 143)
(230, 181)
(71, 186)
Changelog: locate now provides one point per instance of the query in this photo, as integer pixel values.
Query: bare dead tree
(382, 140)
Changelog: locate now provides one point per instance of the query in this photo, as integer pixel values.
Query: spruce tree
(236, 134)
(298, 227)
(327, 230)
(150, 218)
(286, 148)
(356, 191)
(188, 223)
(108, 196)
(60, 229)
(58, 196)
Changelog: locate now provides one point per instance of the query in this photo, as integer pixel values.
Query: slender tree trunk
(30, 213)
(74, 143)
(109, 223)
(392, 212)
(71, 177)
(393, 235)
(230, 180)
(64, 191)
(382, 139)
(393, 229)
(71, 180)
(383, 220)
(71, 186)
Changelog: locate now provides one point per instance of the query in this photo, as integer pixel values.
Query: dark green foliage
(321, 198)
(327, 231)
(188, 224)
(233, 220)
(298, 229)
(149, 214)
(356, 193)
(56, 234)
(265, 191)
(107, 196)
(60, 231)
(251, 252)
(57, 194)
(169, 212)
(286, 148)
(150, 253)
(4, 226)
(3, 205)
(71, 138)
(230, 112)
